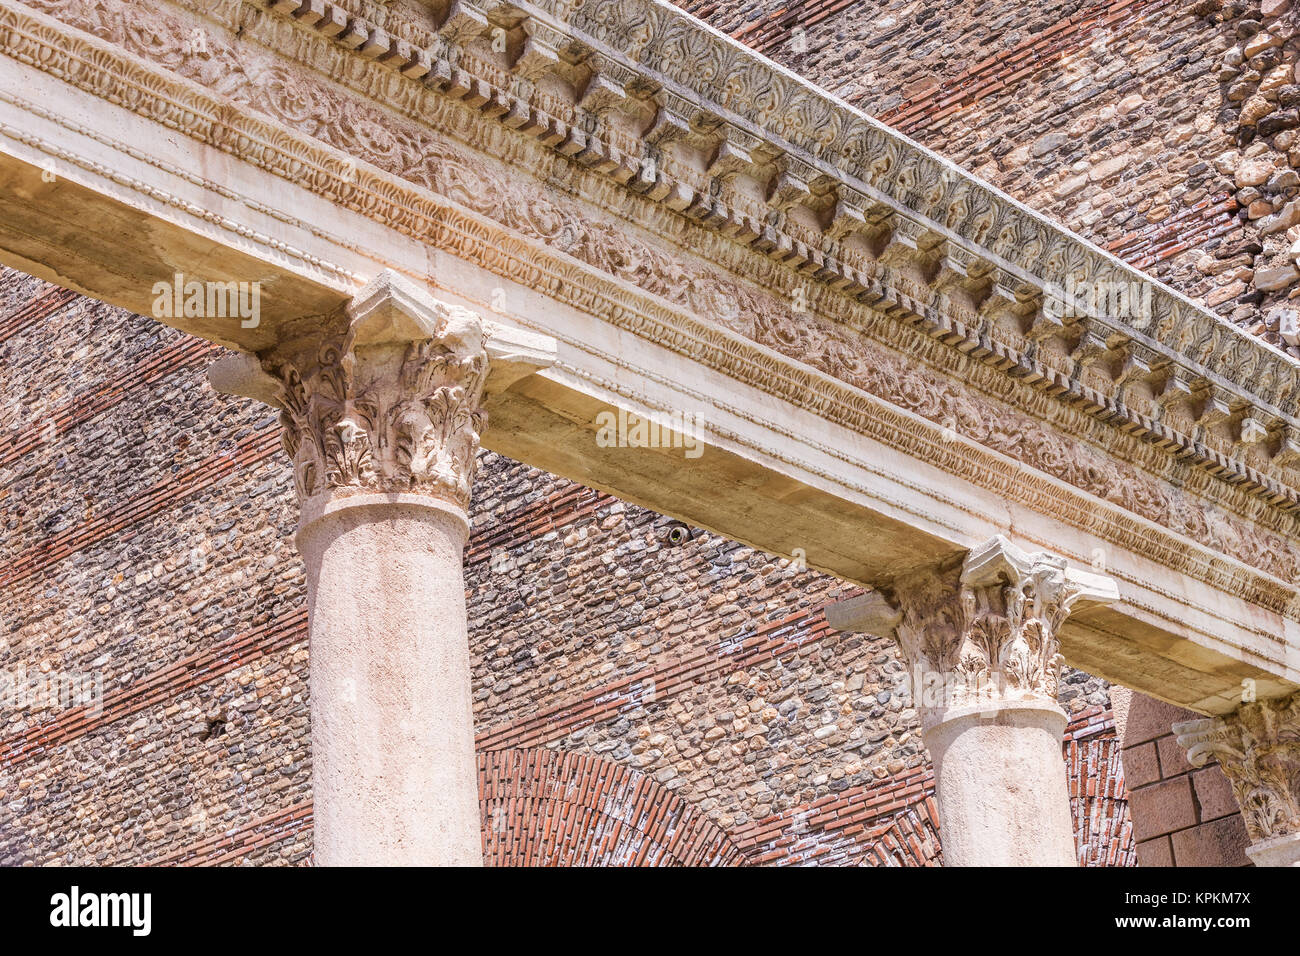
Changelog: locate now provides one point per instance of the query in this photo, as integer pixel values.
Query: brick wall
(1182, 816)
(1121, 119)
(621, 681)
(146, 526)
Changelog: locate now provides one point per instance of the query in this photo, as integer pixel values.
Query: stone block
(1149, 718)
(1222, 842)
(1173, 758)
(1157, 852)
(1141, 766)
(1279, 277)
(1162, 808)
(1214, 794)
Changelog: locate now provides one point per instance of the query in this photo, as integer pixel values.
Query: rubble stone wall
(153, 614)
(619, 675)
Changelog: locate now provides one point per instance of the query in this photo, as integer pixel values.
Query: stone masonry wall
(638, 699)
(684, 701)
(1182, 816)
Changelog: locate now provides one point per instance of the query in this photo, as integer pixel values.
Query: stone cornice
(868, 166)
(740, 351)
(990, 268)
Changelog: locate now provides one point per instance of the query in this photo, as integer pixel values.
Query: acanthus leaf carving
(1258, 748)
(983, 633)
(386, 403)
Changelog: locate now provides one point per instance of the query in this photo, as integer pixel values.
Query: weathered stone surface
(1276, 277)
(1258, 43)
(1259, 208)
(1108, 168)
(1283, 179)
(1288, 96)
(1287, 216)
(1156, 852)
(1217, 843)
(1213, 794)
(1131, 209)
(1048, 143)
(1173, 758)
(1163, 808)
(1276, 122)
(1141, 765)
(1255, 109)
(1152, 720)
(1254, 172)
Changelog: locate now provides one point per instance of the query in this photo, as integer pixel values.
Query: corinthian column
(1258, 748)
(980, 641)
(381, 414)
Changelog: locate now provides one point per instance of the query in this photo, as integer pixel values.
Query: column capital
(382, 409)
(384, 398)
(980, 634)
(388, 402)
(1258, 748)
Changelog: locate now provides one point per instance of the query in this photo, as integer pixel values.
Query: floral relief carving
(984, 633)
(414, 154)
(987, 631)
(395, 416)
(1258, 748)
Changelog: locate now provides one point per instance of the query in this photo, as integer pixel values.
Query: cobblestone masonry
(146, 520)
(1164, 132)
(637, 701)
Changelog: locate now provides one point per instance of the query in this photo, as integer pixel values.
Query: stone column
(1258, 748)
(980, 640)
(381, 411)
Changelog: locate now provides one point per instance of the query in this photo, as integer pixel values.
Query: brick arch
(546, 808)
(911, 839)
